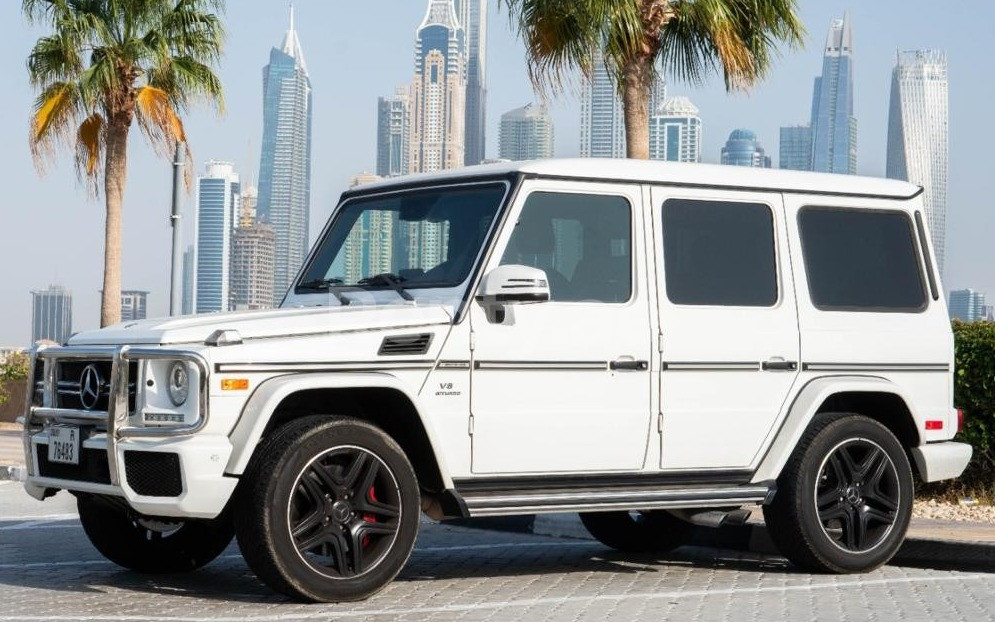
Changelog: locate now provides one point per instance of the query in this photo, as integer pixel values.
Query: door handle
(779, 365)
(627, 364)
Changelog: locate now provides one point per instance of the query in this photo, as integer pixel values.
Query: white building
(675, 131)
(218, 205)
(52, 314)
(394, 133)
(526, 134)
(918, 136)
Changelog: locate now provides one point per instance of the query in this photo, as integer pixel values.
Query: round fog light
(179, 383)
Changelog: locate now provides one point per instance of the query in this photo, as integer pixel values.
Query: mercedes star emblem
(89, 387)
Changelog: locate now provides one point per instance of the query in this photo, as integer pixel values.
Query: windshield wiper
(392, 281)
(325, 285)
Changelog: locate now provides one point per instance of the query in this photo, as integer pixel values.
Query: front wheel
(844, 500)
(328, 510)
(151, 545)
(653, 531)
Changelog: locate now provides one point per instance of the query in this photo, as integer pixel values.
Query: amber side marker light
(234, 384)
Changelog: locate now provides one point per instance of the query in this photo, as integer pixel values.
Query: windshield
(418, 239)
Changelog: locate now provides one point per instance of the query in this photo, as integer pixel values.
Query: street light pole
(176, 272)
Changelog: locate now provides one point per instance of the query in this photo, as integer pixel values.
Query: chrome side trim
(879, 367)
(711, 366)
(542, 365)
(277, 367)
(453, 365)
(547, 502)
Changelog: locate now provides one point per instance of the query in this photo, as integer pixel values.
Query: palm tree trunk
(637, 76)
(115, 175)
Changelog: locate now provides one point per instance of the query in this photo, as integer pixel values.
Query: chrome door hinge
(473, 341)
(470, 426)
(659, 423)
(659, 342)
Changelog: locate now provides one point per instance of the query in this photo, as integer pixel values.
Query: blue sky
(53, 233)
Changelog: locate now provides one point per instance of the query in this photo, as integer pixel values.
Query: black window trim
(855, 309)
(924, 254)
(632, 241)
(662, 278)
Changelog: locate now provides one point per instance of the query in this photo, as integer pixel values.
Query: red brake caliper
(369, 517)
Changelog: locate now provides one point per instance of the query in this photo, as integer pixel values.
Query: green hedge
(974, 392)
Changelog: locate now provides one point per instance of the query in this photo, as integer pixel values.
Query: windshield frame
(508, 182)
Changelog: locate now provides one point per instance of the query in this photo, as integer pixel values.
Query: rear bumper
(939, 461)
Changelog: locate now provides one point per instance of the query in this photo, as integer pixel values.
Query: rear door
(728, 322)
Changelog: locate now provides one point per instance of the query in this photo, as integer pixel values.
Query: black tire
(844, 499)
(152, 545)
(328, 510)
(655, 531)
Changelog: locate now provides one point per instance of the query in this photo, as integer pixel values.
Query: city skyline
(346, 144)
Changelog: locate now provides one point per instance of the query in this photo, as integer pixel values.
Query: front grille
(71, 376)
(92, 466)
(153, 474)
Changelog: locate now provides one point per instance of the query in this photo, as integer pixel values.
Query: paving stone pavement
(48, 571)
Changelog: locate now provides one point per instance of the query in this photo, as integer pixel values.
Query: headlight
(179, 383)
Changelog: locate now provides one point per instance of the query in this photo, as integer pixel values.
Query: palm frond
(90, 139)
(158, 120)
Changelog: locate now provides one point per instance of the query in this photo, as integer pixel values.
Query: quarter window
(719, 253)
(582, 241)
(861, 260)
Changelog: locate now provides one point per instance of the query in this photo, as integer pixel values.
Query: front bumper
(939, 461)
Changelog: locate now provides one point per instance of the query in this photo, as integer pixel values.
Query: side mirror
(514, 284)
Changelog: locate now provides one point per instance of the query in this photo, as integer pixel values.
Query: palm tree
(106, 64)
(692, 38)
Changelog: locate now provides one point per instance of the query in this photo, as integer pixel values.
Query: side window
(861, 260)
(582, 241)
(719, 253)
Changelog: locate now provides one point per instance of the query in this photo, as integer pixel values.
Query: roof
(671, 173)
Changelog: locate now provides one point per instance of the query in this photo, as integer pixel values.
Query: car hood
(268, 323)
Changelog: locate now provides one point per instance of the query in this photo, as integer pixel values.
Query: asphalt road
(48, 571)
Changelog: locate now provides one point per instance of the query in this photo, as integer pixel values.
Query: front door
(728, 324)
(564, 386)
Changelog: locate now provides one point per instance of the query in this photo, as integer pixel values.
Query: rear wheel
(328, 511)
(844, 500)
(652, 531)
(148, 544)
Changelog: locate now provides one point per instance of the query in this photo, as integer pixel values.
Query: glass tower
(526, 134)
(285, 162)
(795, 151)
(218, 206)
(967, 305)
(744, 149)
(393, 132)
(834, 128)
(918, 139)
(472, 15)
(52, 314)
(675, 131)
(438, 91)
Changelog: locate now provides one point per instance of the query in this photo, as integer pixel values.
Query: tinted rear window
(719, 253)
(861, 260)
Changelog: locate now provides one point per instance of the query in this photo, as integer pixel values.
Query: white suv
(652, 345)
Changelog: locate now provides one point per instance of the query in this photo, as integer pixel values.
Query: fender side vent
(405, 344)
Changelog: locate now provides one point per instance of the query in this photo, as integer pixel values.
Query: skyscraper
(252, 261)
(393, 133)
(472, 15)
(834, 128)
(743, 148)
(967, 305)
(795, 151)
(438, 91)
(918, 135)
(675, 131)
(218, 205)
(52, 314)
(285, 162)
(134, 305)
(526, 133)
(250, 201)
(602, 119)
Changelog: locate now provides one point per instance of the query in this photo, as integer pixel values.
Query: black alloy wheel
(858, 495)
(344, 512)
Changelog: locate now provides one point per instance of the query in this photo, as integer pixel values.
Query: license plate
(63, 444)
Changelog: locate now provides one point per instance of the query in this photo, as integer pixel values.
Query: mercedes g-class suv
(651, 345)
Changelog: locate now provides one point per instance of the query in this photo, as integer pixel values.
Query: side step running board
(548, 501)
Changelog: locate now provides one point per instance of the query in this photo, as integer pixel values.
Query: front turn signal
(234, 384)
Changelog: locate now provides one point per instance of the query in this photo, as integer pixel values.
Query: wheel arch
(377, 398)
(871, 396)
